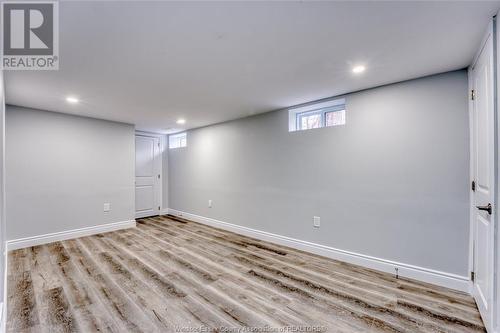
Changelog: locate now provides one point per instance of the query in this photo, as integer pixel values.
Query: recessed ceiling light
(358, 69)
(181, 121)
(72, 100)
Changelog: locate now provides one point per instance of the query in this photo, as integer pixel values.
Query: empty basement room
(249, 166)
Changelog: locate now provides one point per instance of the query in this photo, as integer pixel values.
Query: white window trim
(292, 113)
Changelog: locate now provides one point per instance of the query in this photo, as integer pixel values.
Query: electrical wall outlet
(209, 203)
(107, 207)
(316, 221)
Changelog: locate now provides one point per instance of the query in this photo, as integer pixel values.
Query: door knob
(487, 208)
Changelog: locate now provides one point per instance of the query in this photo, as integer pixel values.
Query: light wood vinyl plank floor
(174, 275)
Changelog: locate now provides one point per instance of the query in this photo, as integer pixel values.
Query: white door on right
(483, 174)
(147, 176)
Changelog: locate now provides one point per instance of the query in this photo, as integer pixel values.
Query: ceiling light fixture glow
(181, 121)
(72, 100)
(358, 69)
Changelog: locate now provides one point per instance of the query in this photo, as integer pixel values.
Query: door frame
(490, 33)
(161, 141)
(496, 51)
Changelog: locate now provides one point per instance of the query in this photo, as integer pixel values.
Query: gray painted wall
(62, 169)
(392, 183)
(3, 236)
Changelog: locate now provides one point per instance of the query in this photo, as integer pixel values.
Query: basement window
(317, 115)
(177, 140)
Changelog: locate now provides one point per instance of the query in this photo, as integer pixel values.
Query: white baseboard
(68, 234)
(449, 280)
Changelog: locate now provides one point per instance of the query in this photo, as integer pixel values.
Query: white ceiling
(149, 63)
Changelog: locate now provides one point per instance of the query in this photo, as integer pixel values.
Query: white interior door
(483, 173)
(147, 176)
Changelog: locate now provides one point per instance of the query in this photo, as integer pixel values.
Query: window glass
(310, 121)
(334, 118)
(177, 141)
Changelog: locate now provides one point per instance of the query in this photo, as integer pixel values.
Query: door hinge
(158, 176)
(473, 186)
(472, 94)
(472, 276)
